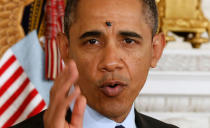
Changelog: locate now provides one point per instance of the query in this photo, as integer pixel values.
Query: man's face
(113, 61)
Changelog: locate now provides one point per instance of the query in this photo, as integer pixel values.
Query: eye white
(129, 41)
(93, 41)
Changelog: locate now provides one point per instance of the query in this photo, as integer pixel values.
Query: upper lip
(113, 83)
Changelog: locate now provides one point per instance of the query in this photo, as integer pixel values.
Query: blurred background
(177, 90)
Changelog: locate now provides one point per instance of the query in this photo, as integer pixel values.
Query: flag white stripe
(9, 72)
(31, 106)
(55, 59)
(16, 104)
(13, 88)
(5, 57)
(49, 61)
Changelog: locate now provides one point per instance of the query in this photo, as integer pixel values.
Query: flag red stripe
(15, 116)
(46, 59)
(52, 24)
(14, 96)
(7, 64)
(9, 82)
(38, 109)
(52, 60)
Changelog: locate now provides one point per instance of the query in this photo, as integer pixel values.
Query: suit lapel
(137, 120)
(140, 121)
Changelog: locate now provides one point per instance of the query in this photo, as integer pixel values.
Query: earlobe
(63, 45)
(158, 45)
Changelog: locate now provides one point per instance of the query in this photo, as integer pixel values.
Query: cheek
(85, 81)
(139, 65)
(86, 65)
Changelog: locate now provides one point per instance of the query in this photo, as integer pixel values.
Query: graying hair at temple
(149, 10)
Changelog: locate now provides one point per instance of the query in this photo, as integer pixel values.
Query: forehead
(107, 8)
(109, 5)
(124, 14)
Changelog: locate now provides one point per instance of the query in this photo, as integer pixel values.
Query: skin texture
(122, 52)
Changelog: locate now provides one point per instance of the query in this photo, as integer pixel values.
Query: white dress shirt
(93, 119)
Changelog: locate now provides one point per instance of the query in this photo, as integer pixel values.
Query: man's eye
(129, 41)
(93, 41)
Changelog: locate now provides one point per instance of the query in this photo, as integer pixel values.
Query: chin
(114, 109)
(114, 113)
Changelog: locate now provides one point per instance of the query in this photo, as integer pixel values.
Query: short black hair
(151, 14)
(149, 10)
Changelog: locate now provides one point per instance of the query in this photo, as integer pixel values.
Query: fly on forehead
(109, 24)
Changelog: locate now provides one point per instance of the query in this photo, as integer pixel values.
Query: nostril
(111, 67)
(107, 69)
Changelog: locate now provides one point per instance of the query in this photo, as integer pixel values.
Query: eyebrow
(90, 34)
(130, 34)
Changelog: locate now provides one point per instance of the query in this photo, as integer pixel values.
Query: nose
(111, 59)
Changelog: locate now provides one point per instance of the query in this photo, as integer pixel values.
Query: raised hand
(54, 116)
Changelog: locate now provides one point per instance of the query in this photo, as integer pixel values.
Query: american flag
(54, 24)
(19, 99)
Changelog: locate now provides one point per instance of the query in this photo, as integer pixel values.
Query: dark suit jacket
(142, 121)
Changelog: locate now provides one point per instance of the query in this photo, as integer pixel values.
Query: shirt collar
(93, 119)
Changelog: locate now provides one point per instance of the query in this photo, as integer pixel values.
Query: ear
(158, 45)
(63, 46)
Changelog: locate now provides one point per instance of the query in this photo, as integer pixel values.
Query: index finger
(67, 78)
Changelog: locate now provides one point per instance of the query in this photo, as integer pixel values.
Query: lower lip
(111, 92)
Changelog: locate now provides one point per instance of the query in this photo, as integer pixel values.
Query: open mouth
(112, 88)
